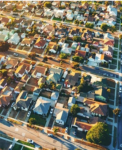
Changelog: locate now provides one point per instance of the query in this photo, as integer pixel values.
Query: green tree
(32, 121)
(104, 26)
(45, 58)
(76, 38)
(41, 85)
(75, 65)
(32, 55)
(78, 59)
(47, 4)
(81, 22)
(63, 56)
(89, 25)
(120, 9)
(99, 134)
(54, 25)
(76, 22)
(74, 109)
(106, 3)
(120, 36)
(116, 111)
(4, 72)
(113, 29)
(55, 130)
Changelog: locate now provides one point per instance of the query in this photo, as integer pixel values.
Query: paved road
(24, 133)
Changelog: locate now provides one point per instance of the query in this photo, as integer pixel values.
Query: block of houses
(40, 43)
(39, 71)
(27, 42)
(61, 115)
(22, 69)
(23, 101)
(71, 79)
(96, 108)
(41, 107)
(11, 63)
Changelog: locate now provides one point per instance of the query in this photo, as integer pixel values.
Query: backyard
(39, 120)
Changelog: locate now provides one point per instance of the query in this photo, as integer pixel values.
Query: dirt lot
(13, 113)
(63, 100)
(4, 145)
(22, 115)
(37, 50)
(45, 93)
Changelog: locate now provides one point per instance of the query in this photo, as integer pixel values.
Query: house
(71, 101)
(66, 50)
(61, 115)
(101, 94)
(69, 15)
(54, 77)
(112, 10)
(48, 12)
(22, 69)
(61, 41)
(99, 58)
(91, 19)
(108, 36)
(108, 42)
(58, 71)
(18, 21)
(39, 12)
(48, 28)
(5, 100)
(18, 88)
(54, 95)
(40, 43)
(36, 91)
(23, 101)
(3, 83)
(96, 108)
(39, 71)
(74, 45)
(41, 107)
(71, 79)
(25, 78)
(41, 80)
(5, 20)
(59, 13)
(27, 42)
(80, 53)
(11, 63)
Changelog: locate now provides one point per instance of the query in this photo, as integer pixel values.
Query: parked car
(66, 131)
(15, 54)
(12, 104)
(28, 113)
(51, 111)
(50, 135)
(30, 141)
(74, 132)
(10, 147)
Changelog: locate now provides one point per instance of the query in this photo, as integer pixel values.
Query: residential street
(24, 133)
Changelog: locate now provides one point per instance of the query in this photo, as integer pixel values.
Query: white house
(48, 12)
(14, 39)
(71, 101)
(66, 50)
(58, 13)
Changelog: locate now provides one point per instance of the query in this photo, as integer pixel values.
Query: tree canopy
(78, 59)
(116, 111)
(74, 109)
(47, 4)
(89, 25)
(99, 134)
(104, 26)
(4, 46)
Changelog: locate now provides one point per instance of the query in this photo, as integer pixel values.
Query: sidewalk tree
(104, 26)
(4, 46)
(120, 36)
(113, 29)
(32, 121)
(99, 134)
(89, 25)
(55, 130)
(116, 111)
(76, 22)
(74, 109)
(47, 4)
(63, 56)
(32, 55)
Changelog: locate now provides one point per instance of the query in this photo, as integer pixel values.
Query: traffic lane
(24, 133)
(100, 72)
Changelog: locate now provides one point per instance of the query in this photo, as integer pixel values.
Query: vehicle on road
(30, 141)
(10, 147)
(15, 54)
(51, 111)
(28, 113)
(66, 131)
(50, 135)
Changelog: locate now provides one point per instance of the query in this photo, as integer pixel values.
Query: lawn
(116, 45)
(45, 93)
(39, 120)
(69, 21)
(110, 111)
(16, 146)
(26, 148)
(115, 53)
(57, 19)
(114, 61)
(4, 145)
(25, 143)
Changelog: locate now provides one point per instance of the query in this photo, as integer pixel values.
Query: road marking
(16, 129)
(23, 134)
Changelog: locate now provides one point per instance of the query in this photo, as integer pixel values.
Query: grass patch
(26, 148)
(116, 45)
(114, 141)
(57, 19)
(16, 146)
(25, 143)
(115, 53)
(39, 120)
(114, 61)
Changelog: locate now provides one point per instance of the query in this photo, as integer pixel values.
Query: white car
(28, 113)
(30, 141)
(51, 111)
(66, 131)
(10, 147)
(50, 135)
(12, 104)
(15, 54)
